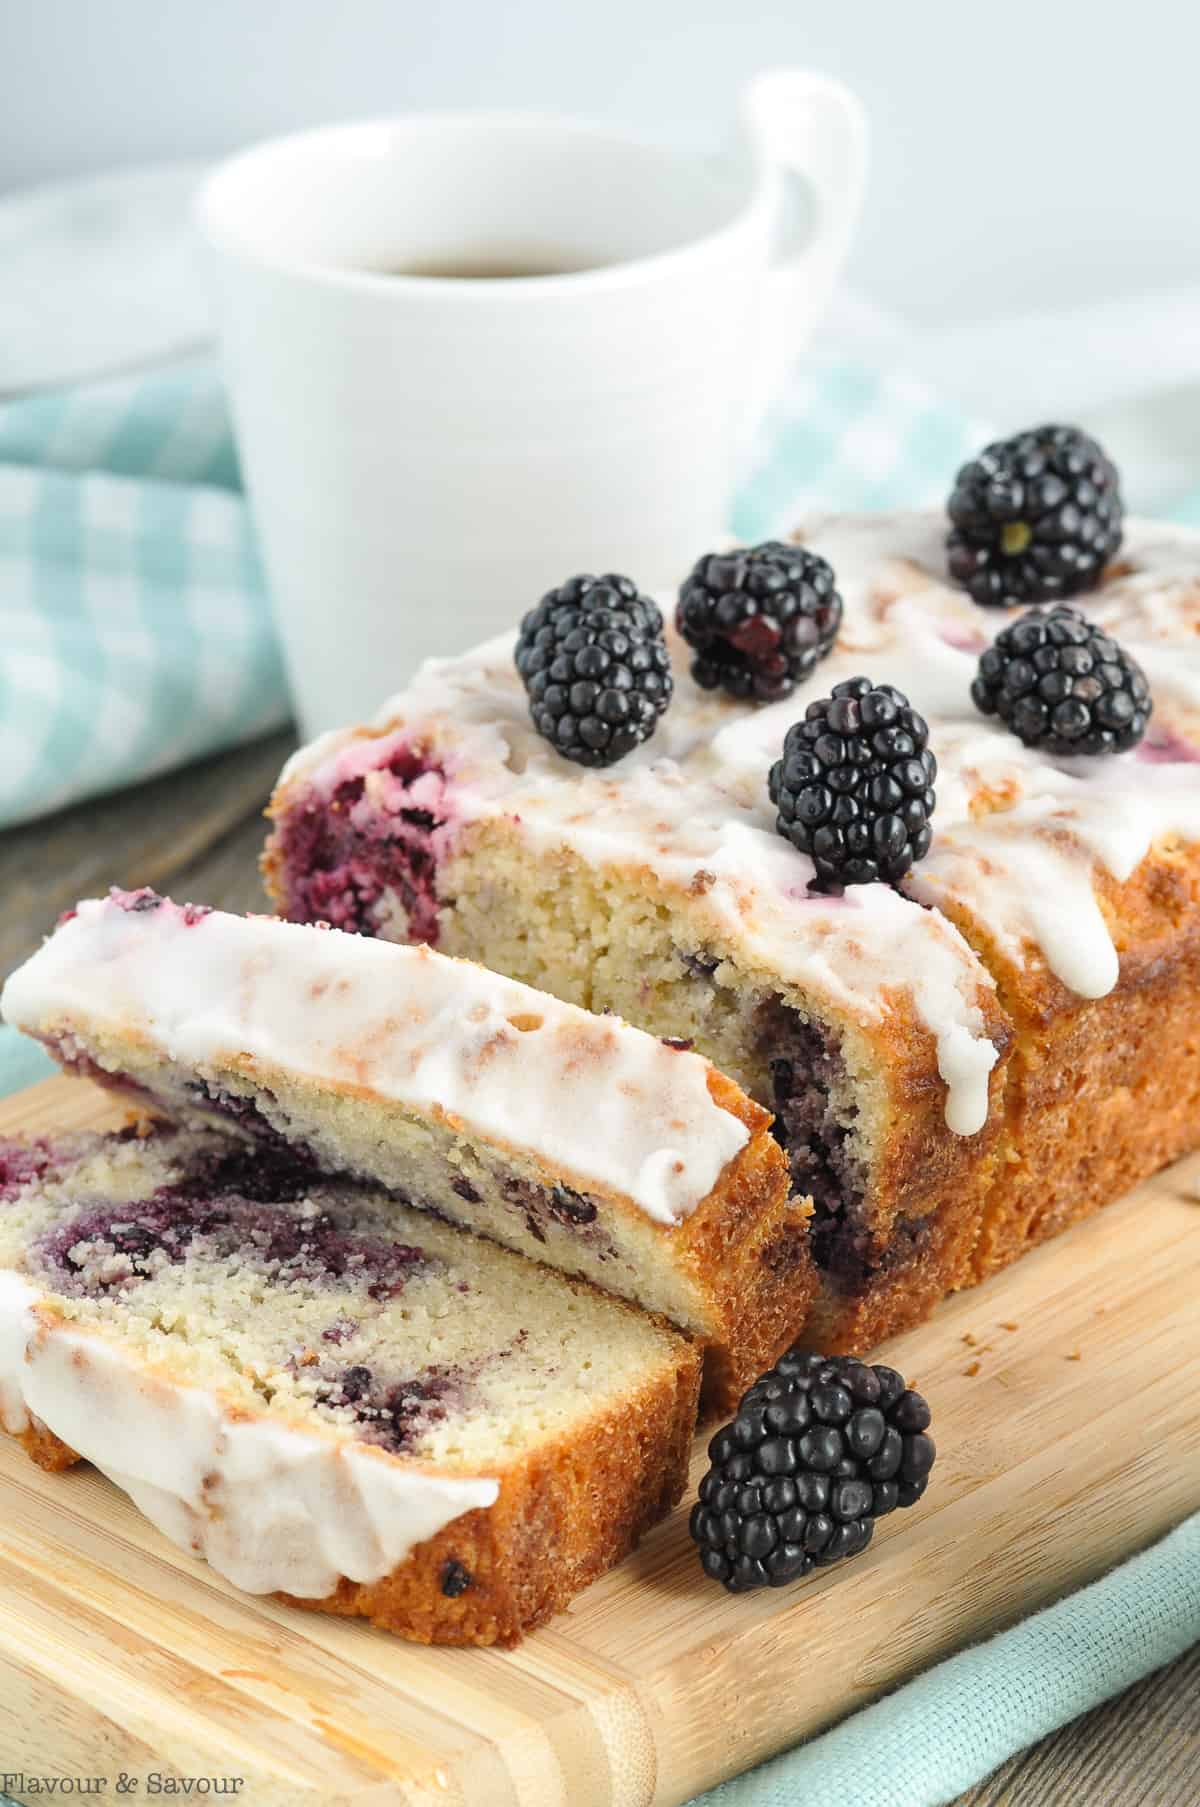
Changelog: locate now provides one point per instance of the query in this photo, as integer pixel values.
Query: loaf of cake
(573, 1139)
(960, 1065)
(328, 1395)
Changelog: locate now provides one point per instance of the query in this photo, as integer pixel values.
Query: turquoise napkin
(134, 628)
(937, 1736)
(135, 635)
(844, 435)
(22, 1062)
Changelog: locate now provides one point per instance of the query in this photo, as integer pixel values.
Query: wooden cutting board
(1066, 1398)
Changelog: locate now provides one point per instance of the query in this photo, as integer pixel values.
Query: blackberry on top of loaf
(961, 1061)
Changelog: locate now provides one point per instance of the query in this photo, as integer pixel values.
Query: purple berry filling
(75, 1060)
(1163, 746)
(807, 1073)
(343, 855)
(908, 1242)
(115, 1245)
(541, 1205)
(341, 1330)
(23, 1162)
(392, 1414)
(245, 1111)
(455, 1579)
(135, 902)
(274, 1175)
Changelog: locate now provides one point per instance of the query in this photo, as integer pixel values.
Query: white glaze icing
(269, 1506)
(16, 1327)
(1018, 837)
(594, 1099)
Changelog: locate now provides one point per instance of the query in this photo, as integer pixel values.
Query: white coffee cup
(426, 454)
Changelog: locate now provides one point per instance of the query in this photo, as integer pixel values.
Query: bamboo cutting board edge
(1076, 1443)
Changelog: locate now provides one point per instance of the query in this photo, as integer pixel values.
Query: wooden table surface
(197, 834)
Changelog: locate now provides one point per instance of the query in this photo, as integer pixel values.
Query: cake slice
(573, 1139)
(326, 1394)
(958, 1067)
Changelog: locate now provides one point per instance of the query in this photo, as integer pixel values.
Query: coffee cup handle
(807, 134)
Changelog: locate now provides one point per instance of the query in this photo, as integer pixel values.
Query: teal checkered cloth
(135, 635)
(134, 628)
(845, 436)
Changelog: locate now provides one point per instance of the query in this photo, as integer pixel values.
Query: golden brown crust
(747, 1246)
(904, 1289)
(270, 860)
(44, 1448)
(929, 1196)
(936, 1188)
(565, 1514)
(920, 1164)
(1101, 1092)
(1093, 1096)
(769, 1285)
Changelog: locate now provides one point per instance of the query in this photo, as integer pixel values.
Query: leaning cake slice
(573, 1139)
(326, 1394)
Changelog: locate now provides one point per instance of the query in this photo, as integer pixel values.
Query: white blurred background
(1038, 152)
(1030, 161)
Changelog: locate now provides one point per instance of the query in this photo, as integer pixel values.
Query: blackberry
(1063, 685)
(455, 1579)
(595, 665)
(758, 619)
(820, 1448)
(854, 788)
(1034, 518)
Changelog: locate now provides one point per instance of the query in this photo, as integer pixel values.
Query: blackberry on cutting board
(1062, 684)
(758, 619)
(854, 788)
(1034, 518)
(820, 1448)
(596, 669)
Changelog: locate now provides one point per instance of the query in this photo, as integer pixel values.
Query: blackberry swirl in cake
(959, 1065)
